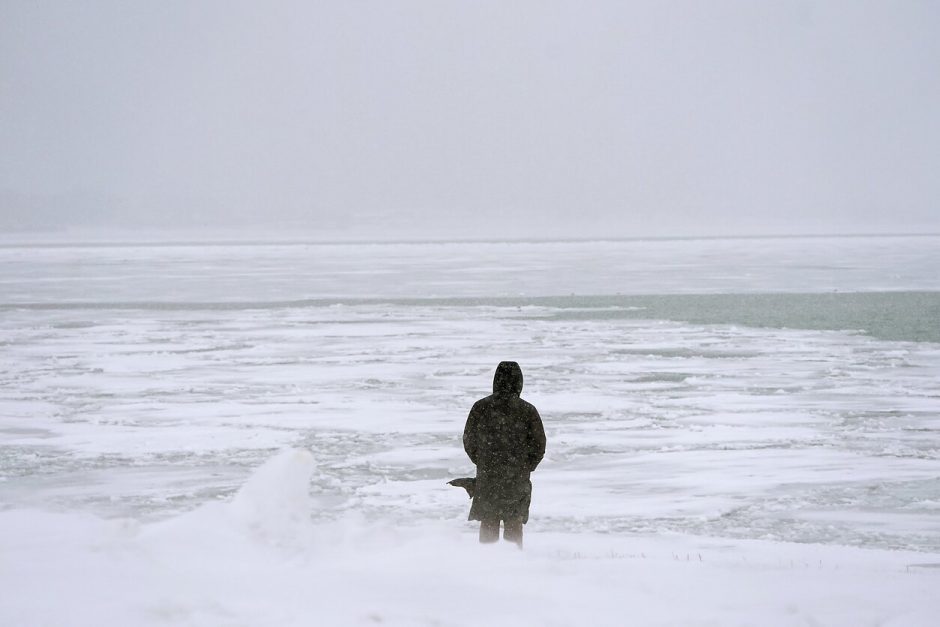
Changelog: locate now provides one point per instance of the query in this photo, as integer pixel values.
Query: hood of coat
(508, 378)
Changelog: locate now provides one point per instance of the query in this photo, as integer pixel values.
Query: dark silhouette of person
(504, 437)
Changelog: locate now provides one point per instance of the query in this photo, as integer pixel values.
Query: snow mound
(271, 510)
(274, 504)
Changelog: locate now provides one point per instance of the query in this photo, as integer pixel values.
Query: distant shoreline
(156, 242)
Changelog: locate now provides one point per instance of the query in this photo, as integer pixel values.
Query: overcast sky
(475, 118)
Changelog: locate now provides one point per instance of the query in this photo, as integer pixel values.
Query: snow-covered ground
(259, 559)
(260, 435)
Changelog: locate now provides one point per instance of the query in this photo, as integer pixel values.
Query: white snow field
(740, 432)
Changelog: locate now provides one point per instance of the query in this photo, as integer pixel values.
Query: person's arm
(470, 438)
(536, 449)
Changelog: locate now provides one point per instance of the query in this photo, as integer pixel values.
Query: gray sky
(472, 118)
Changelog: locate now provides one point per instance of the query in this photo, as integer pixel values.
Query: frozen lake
(704, 393)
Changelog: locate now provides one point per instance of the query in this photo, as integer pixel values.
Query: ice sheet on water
(272, 273)
(652, 425)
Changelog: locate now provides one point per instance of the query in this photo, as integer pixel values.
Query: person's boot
(489, 531)
(512, 532)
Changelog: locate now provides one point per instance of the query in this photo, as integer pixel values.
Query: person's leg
(489, 530)
(512, 531)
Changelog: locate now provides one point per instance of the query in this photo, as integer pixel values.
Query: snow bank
(259, 560)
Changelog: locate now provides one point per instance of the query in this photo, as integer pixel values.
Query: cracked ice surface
(787, 434)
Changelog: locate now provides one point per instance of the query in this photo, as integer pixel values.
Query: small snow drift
(275, 502)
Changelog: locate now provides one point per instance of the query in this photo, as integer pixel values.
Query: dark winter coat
(505, 439)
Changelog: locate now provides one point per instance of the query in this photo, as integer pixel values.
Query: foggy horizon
(417, 120)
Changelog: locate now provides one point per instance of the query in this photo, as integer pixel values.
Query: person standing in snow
(505, 439)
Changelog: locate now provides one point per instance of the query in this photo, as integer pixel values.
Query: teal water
(903, 316)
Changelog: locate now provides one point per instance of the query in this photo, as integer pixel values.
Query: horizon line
(256, 241)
